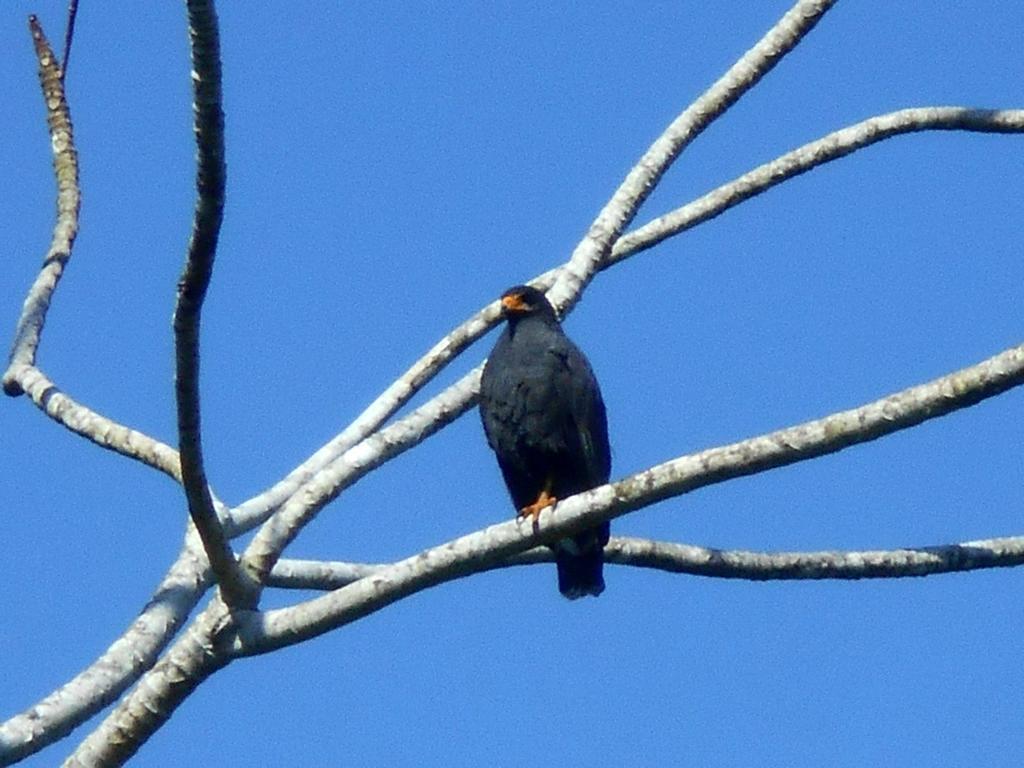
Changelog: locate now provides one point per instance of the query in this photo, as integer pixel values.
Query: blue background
(393, 169)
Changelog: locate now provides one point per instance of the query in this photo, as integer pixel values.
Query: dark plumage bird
(545, 419)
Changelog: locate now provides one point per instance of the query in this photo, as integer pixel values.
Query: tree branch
(116, 669)
(137, 649)
(69, 36)
(22, 376)
(596, 245)
(718, 563)
(487, 548)
(775, 566)
(69, 199)
(379, 447)
(14, 733)
(754, 65)
(210, 179)
(180, 671)
(831, 147)
(96, 428)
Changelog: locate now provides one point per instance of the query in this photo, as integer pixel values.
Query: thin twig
(69, 35)
(210, 180)
(65, 167)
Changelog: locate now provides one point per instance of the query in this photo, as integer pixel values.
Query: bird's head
(525, 301)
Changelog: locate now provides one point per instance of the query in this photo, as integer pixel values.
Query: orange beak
(513, 303)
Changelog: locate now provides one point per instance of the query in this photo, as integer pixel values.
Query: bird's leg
(544, 500)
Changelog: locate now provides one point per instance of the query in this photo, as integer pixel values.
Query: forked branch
(593, 249)
(834, 146)
(69, 199)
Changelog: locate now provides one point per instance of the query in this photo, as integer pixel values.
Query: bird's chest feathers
(534, 394)
(536, 366)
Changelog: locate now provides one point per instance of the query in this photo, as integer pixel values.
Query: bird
(545, 419)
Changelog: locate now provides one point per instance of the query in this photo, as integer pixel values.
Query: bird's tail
(580, 571)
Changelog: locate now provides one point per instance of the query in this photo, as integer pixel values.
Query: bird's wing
(586, 422)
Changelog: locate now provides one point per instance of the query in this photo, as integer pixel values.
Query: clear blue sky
(390, 171)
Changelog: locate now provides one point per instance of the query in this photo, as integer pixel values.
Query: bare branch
(484, 549)
(324, 575)
(347, 469)
(180, 671)
(325, 486)
(101, 430)
(771, 566)
(593, 250)
(117, 668)
(94, 427)
(588, 256)
(718, 563)
(831, 147)
(210, 179)
(22, 376)
(69, 199)
(69, 36)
